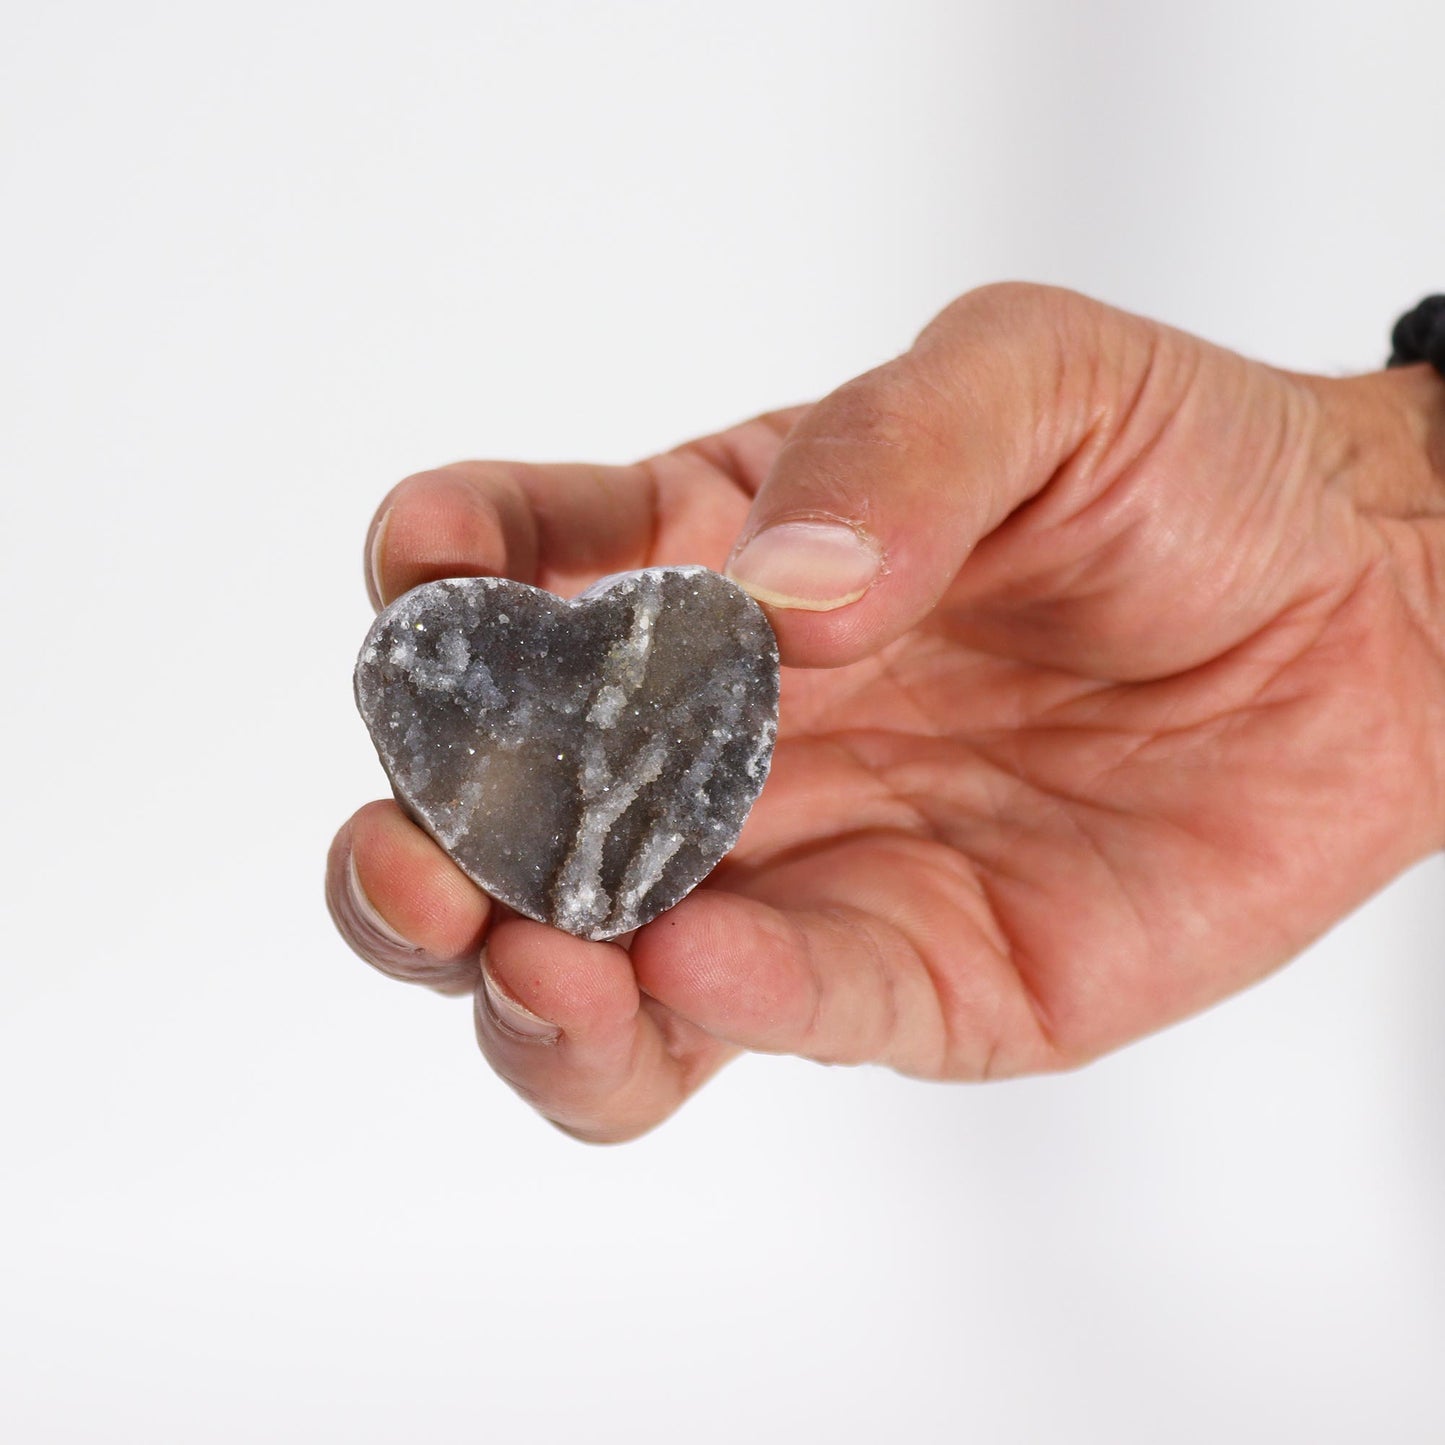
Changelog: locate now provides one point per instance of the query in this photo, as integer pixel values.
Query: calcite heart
(587, 762)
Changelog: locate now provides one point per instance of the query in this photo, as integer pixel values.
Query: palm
(1091, 809)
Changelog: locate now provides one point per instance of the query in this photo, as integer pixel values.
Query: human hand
(1114, 674)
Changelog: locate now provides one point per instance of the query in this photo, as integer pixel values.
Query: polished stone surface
(586, 762)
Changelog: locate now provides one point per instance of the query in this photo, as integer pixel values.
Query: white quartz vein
(585, 903)
(605, 795)
(643, 872)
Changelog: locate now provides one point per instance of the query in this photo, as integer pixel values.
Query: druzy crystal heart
(586, 762)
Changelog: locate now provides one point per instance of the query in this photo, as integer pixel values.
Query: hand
(1115, 674)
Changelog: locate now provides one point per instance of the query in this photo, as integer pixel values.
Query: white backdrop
(256, 263)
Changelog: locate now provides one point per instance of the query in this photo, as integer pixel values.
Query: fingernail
(807, 566)
(373, 559)
(511, 1017)
(366, 911)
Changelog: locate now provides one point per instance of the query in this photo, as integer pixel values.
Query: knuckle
(887, 407)
(1014, 317)
(1011, 304)
(872, 432)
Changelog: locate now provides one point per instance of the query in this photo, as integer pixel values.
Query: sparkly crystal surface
(587, 762)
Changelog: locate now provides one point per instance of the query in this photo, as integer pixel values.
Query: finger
(836, 963)
(830, 986)
(402, 904)
(511, 520)
(563, 525)
(885, 486)
(562, 1020)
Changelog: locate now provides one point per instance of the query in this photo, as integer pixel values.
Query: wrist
(1382, 441)
(1419, 392)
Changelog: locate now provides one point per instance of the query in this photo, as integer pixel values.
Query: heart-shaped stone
(586, 762)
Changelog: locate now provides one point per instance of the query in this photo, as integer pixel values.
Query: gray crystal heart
(587, 762)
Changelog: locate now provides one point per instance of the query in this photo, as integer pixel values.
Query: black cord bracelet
(1419, 335)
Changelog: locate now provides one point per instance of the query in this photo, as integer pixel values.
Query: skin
(1150, 692)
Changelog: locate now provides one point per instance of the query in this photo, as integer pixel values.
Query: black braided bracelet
(1419, 335)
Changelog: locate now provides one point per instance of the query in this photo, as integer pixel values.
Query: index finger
(562, 525)
(541, 524)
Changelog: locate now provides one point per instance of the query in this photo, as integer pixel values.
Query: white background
(256, 263)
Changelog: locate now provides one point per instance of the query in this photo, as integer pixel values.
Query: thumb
(885, 486)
